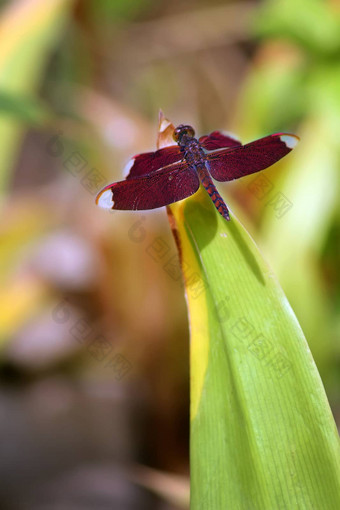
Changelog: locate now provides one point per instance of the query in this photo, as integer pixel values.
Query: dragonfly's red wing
(229, 164)
(218, 140)
(168, 185)
(149, 162)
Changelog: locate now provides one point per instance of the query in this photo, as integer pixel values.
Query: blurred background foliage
(93, 329)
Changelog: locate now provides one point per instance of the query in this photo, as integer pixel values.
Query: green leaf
(23, 108)
(312, 24)
(262, 433)
(28, 34)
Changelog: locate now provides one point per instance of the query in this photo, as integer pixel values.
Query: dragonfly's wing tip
(290, 140)
(104, 199)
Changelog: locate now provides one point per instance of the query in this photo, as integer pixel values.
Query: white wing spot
(105, 200)
(289, 140)
(128, 167)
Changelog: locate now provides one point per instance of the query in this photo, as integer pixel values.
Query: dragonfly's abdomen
(212, 191)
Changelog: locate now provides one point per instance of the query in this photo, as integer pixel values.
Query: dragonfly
(156, 179)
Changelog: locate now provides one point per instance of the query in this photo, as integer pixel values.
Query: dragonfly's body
(195, 156)
(173, 173)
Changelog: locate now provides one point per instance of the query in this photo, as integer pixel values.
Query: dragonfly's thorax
(192, 151)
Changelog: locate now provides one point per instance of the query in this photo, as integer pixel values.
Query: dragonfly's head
(182, 130)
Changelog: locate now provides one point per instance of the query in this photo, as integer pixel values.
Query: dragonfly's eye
(183, 130)
(190, 131)
(176, 134)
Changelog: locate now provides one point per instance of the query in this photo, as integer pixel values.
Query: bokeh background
(94, 396)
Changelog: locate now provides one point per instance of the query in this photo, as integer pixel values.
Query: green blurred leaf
(22, 108)
(273, 87)
(106, 10)
(28, 32)
(25, 223)
(312, 24)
